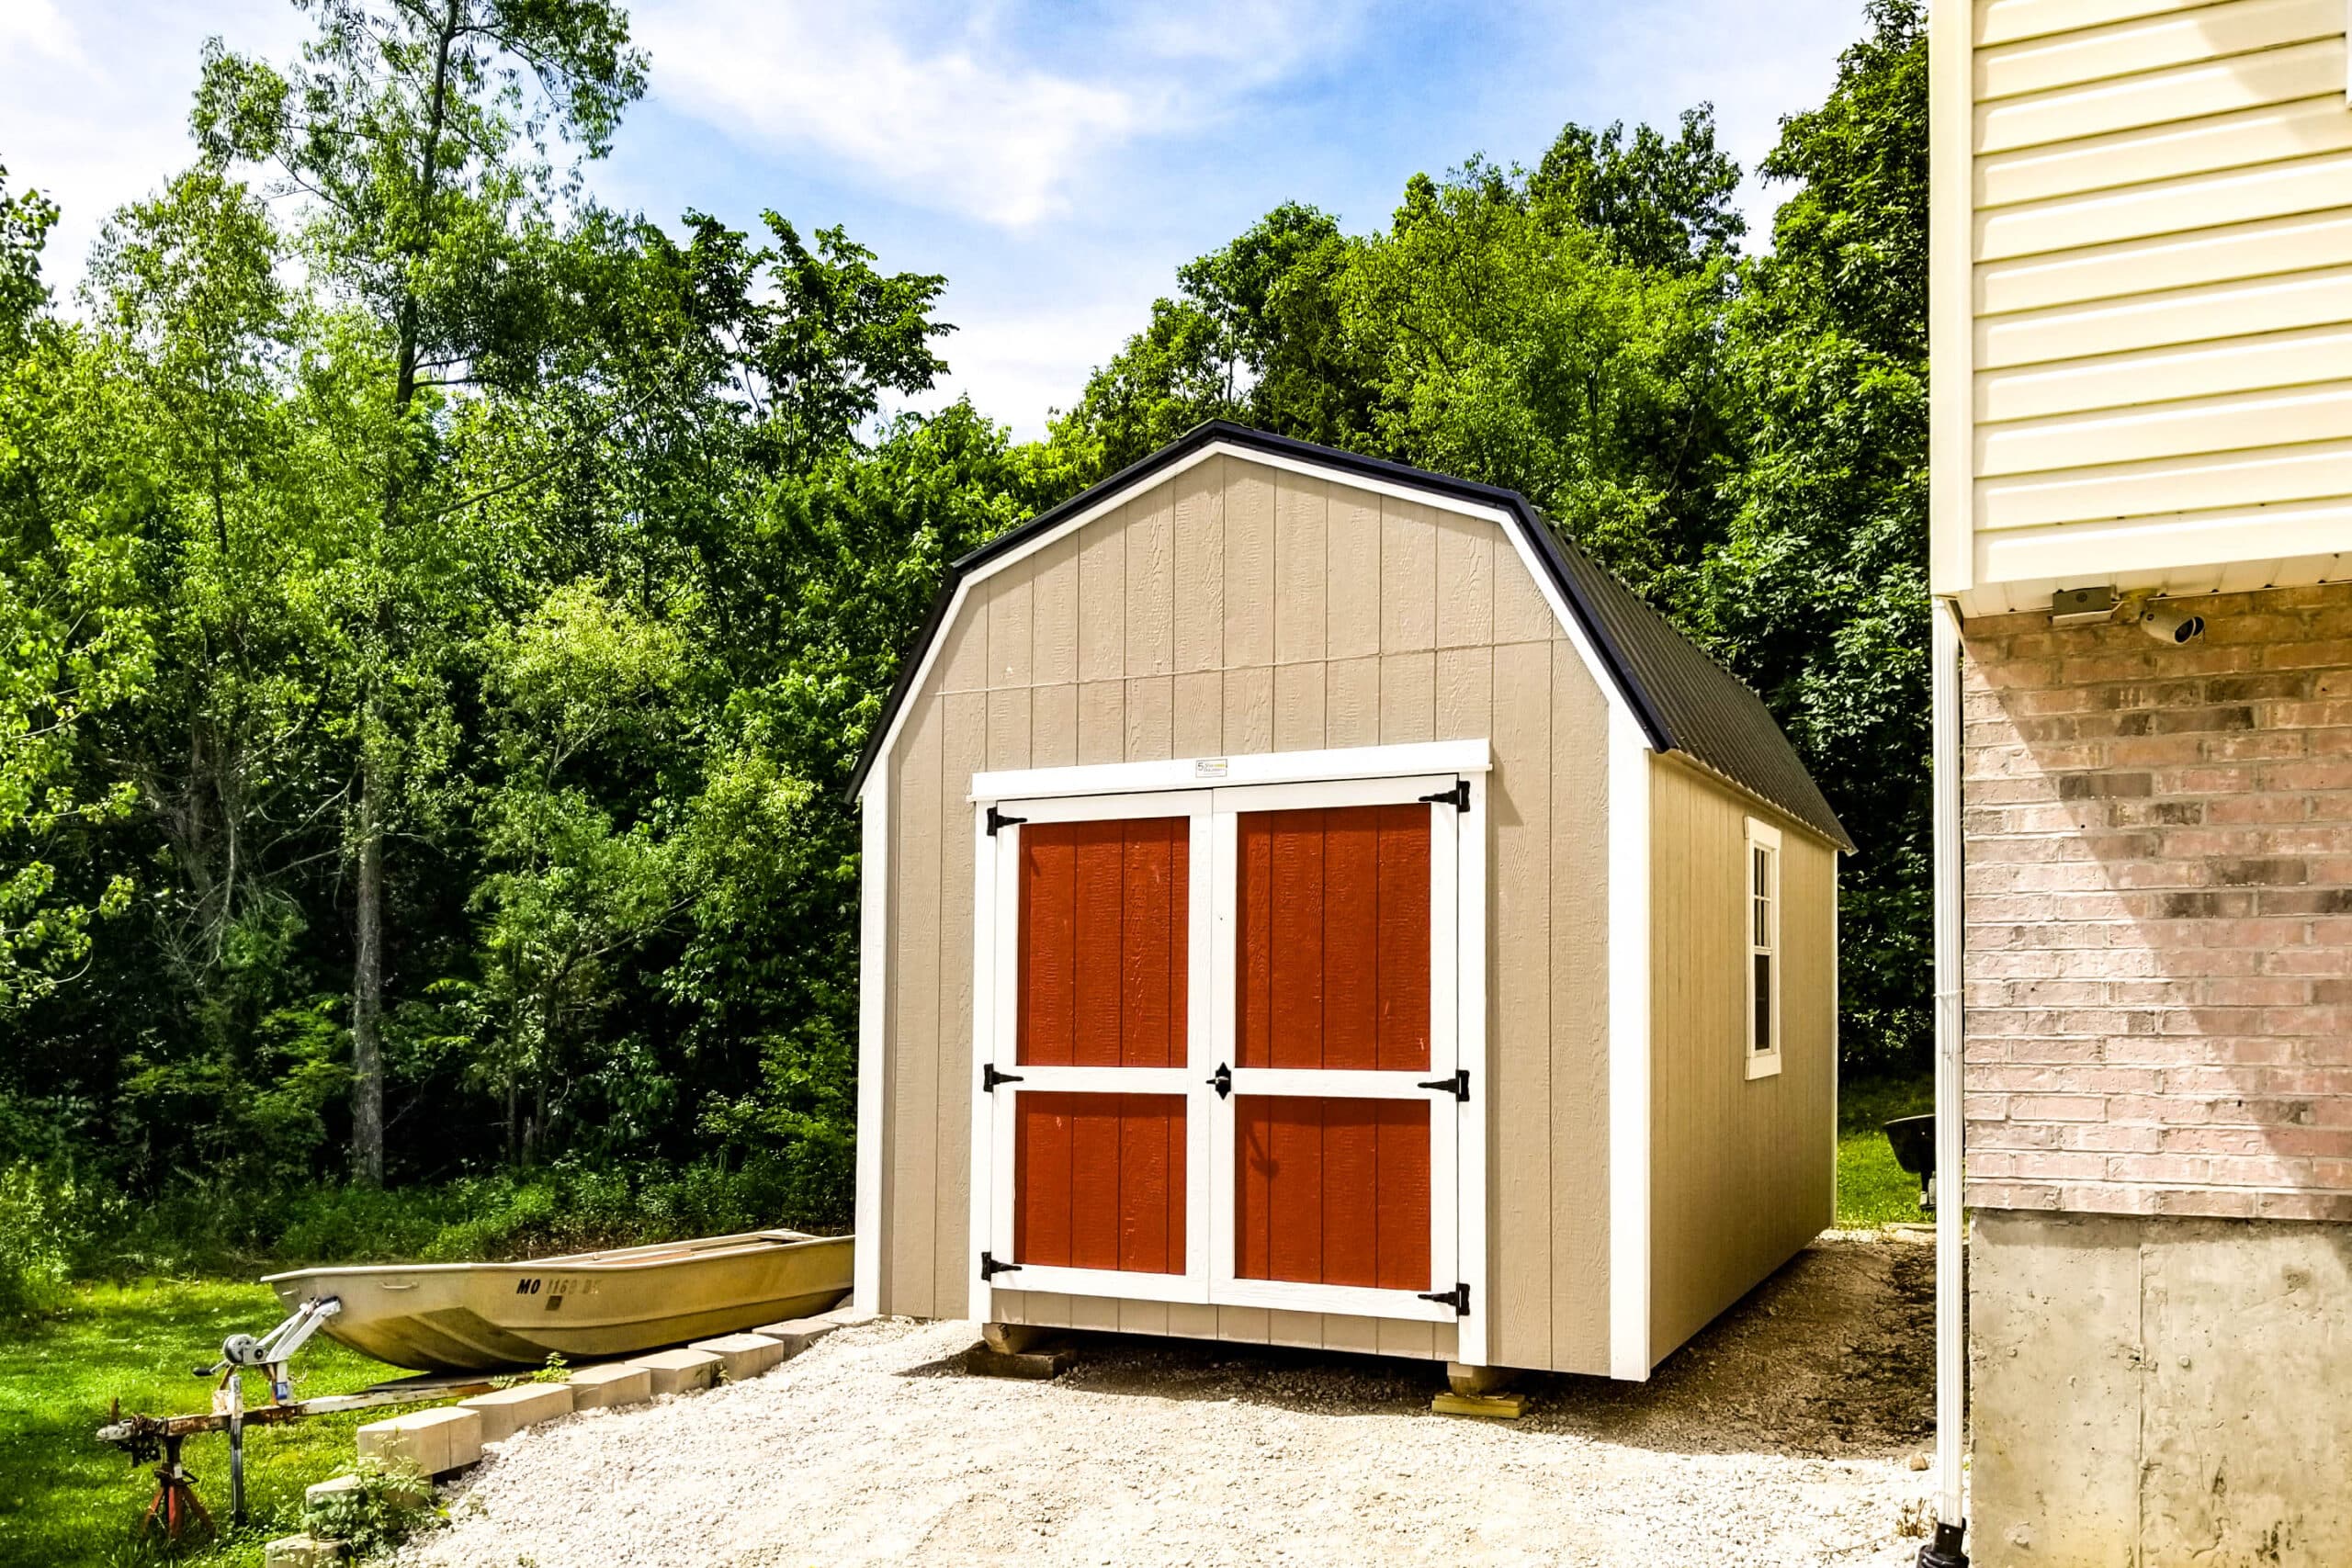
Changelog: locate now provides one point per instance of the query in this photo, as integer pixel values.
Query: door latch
(1223, 1081)
(1457, 1298)
(991, 1077)
(1457, 1085)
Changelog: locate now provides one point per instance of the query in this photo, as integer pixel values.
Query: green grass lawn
(1871, 1189)
(67, 1498)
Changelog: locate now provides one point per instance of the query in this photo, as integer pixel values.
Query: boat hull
(586, 1307)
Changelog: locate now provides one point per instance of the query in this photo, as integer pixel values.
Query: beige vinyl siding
(1742, 1171)
(2159, 277)
(1238, 608)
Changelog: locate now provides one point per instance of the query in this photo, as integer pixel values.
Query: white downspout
(1951, 1281)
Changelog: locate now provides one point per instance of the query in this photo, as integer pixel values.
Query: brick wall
(2159, 892)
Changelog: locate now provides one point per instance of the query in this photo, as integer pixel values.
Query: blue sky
(1055, 162)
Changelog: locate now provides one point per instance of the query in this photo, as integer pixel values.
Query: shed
(1307, 901)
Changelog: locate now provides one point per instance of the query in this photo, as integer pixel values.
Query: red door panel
(1104, 924)
(1332, 1192)
(1098, 1181)
(1333, 939)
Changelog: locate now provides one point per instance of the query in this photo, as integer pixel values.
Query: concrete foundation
(506, 1411)
(2150, 1391)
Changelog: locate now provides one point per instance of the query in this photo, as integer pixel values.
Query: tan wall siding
(1239, 608)
(1742, 1172)
(2158, 259)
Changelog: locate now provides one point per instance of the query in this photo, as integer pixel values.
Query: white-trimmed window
(1763, 928)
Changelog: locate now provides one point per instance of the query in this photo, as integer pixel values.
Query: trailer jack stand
(175, 1508)
(1944, 1552)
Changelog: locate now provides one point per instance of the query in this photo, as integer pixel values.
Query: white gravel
(1784, 1437)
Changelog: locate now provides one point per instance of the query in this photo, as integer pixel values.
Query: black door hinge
(1223, 1081)
(1459, 1084)
(1457, 797)
(998, 819)
(991, 1077)
(991, 1268)
(1457, 1298)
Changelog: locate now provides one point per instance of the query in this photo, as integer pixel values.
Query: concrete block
(615, 1383)
(506, 1411)
(679, 1371)
(796, 1334)
(434, 1441)
(741, 1355)
(300, 1551)
(327, 1491)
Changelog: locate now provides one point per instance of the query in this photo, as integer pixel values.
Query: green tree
(416, 129)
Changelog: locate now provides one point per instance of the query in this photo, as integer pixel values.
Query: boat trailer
(156, 1440)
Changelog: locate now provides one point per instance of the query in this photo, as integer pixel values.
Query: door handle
(1223, 1081)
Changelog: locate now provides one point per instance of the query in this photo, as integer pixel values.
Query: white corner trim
(1472, 1188)
(1629, 1047)
(1472, 757)
(992, 900)
(873, 1016)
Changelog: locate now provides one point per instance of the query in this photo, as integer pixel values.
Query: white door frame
(1211, 790)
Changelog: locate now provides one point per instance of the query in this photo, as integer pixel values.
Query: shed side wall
(1238, 608)
(1742, 1172)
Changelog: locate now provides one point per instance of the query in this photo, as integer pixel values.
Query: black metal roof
(1685, 701)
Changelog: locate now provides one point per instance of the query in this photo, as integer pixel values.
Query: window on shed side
(1763, 927)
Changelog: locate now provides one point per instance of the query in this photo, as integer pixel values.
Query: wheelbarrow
(1913, 1138)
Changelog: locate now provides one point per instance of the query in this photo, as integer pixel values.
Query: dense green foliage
(442, 612)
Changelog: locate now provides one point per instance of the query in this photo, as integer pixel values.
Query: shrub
(390, 1503)
(39, 1229)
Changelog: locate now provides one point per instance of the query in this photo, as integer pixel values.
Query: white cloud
(959, 110)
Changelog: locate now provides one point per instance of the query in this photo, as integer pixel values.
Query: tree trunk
(368, 994)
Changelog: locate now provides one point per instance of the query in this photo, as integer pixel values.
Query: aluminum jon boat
(585, 1306)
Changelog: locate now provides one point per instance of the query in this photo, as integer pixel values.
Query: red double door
(1221, 1060)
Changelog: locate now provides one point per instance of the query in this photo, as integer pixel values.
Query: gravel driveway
(1782, 1435)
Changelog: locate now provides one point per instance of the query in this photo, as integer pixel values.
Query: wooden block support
(678, 1372)
(506, 1411)
(601, 1387)
(1040, 1365)
(1013, 1338)
(434, 1441)
(741, 1355)
(1494, 1406)
(300, 1551)
(1467, 1379)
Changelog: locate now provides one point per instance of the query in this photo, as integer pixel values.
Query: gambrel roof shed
(1306, 900)
(1686, 701)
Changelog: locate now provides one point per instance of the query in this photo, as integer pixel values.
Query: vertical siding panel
(1465, 689)
(1400, 1337)
(916, 856)
(1197, 1319)
(1249, 711)
(1142, 1317)
(1150, 712)
(1408, 697)
(1299, 569)
(1580, 937)
(964, 743)
(1302, 1330)
(1102, 599)
(1519, 994)
(1466, 581)
(1248, 565)
(1053, 615)
(1352, 589)
(1199, 721)
(1053, 726)
(1521, 613)
(1244, 1325)
(964, 650)
(1352, 702)
(1200, 567)
(1011, 655)
(1102, 722)
(1008, 732)
(1151, 583)
(1094, 1311)
(1342, 1332)
(1408, 577)
(1299, 708)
